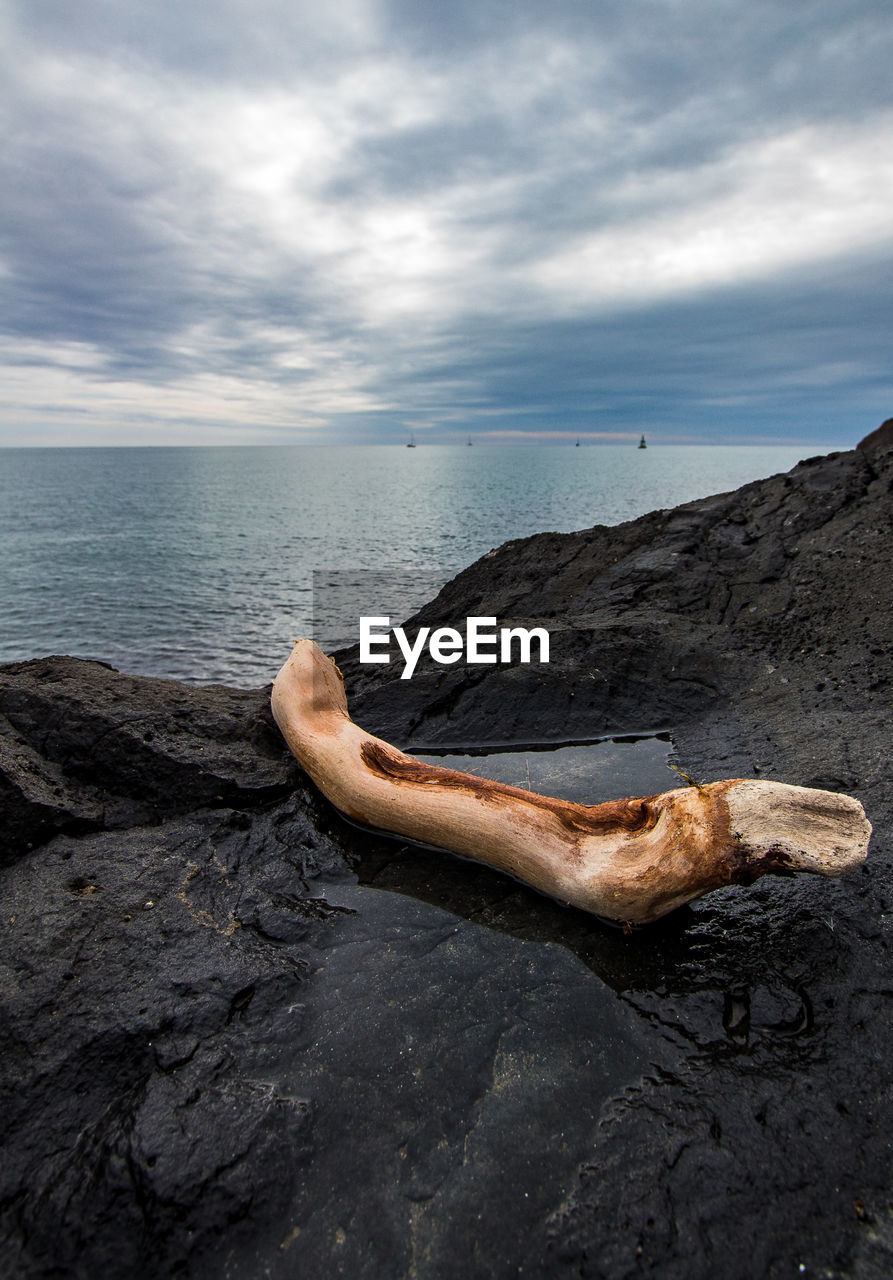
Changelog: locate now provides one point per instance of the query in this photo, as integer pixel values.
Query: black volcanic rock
(85, 748)
(242, 1038)
(656, 622)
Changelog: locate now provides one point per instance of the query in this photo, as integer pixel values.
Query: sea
(203, 564)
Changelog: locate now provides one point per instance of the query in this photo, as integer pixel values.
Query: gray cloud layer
(282, 221)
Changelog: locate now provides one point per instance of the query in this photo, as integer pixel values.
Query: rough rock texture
(230, 1048)
(678, 614)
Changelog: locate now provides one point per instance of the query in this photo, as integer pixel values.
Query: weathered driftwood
(629, 860)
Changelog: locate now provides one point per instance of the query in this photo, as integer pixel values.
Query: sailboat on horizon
(642, 444)
(411, 443)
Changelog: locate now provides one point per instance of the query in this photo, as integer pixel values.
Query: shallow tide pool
(587, 773)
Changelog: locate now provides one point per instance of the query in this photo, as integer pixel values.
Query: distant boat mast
(642, 444)
(411, 444)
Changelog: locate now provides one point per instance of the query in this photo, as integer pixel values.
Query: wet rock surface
(242, 1038)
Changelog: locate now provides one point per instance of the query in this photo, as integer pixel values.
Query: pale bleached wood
(628, 860)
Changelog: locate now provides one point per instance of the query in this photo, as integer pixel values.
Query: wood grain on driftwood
(629, 860)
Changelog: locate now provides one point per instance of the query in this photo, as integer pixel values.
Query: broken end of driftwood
(797, 828)
(628, 860)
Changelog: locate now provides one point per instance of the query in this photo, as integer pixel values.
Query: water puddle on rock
(675, 972)
(587, 773)
(582, 772)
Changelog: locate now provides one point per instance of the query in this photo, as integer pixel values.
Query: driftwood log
(628, 860)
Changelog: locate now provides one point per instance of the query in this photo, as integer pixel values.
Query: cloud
(288, 220)
(807, 196)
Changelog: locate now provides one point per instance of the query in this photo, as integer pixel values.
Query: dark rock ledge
(230, 1049)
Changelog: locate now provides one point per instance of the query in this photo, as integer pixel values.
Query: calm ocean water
(199, 563)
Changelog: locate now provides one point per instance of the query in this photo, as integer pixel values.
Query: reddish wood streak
(632, 816)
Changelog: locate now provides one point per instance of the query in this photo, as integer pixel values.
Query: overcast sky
(283, 221)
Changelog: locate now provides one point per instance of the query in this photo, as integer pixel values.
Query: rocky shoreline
(243, 1038)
